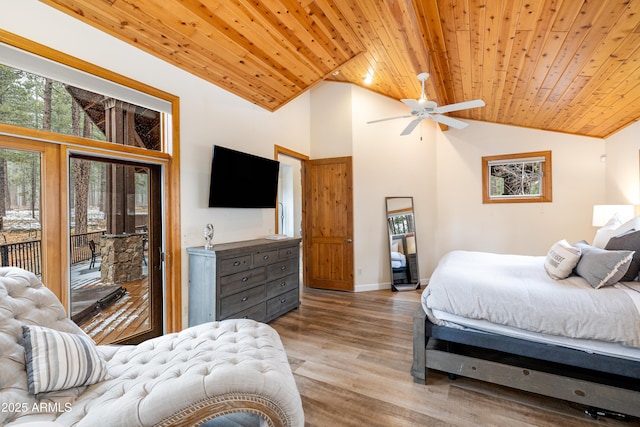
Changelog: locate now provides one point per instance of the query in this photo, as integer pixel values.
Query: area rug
(87, 302)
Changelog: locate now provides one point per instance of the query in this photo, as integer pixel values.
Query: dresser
(254, 279)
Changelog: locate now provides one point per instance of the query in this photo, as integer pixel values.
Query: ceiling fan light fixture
(422, 108)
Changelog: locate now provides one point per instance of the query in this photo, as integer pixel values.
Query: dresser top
(243, 246)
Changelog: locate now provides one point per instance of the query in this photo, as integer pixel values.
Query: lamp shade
(603, 213)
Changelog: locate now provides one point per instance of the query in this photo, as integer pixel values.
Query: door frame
(54, 247)
(277, 151)
(156, 243)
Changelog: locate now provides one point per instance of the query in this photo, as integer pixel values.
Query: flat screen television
(241, 180)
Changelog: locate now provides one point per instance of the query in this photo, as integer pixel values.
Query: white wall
(623, 176)
(330, 125)
(387, 164)
(464, 222)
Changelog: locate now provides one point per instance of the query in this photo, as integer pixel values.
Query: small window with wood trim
(515, 178)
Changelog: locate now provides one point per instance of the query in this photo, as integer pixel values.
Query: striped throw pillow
(58, 360)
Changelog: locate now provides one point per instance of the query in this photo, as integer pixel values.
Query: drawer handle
(284, 267)
(283, 300)
(289, 252)
(265, 257)
(244, 279)
(237, 263)
(283, 284)
(244, 299)
(245, 317)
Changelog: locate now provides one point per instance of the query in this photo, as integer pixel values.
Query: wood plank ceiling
(564, 65)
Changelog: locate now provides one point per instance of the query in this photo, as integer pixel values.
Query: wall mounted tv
(241, 180)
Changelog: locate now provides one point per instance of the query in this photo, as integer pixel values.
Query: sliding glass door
(116, 278)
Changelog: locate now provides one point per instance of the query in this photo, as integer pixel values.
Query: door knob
(349, 240)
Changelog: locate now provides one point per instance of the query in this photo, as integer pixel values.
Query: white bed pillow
(601, 267)
(612, 228)
(561, 259)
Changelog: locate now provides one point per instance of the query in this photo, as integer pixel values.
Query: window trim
(546, 190)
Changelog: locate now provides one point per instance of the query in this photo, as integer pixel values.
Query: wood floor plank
(351, 355)
(126, 317)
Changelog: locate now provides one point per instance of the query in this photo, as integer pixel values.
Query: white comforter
(515, 290)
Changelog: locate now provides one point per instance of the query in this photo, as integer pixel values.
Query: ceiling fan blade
(449, 121)
(389, 118)
(412, 125)
(460, 106)
(413, 104)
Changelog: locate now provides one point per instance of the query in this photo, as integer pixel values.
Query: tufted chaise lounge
(207, 372)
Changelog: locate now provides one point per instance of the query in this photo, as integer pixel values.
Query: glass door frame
(51, 200)
(156, 235)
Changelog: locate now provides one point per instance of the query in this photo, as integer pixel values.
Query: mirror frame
(406, 277)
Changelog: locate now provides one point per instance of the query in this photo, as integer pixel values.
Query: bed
(399, 259)
(503, 319)
(403, 259)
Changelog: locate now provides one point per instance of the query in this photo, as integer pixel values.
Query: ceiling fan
(422, 108)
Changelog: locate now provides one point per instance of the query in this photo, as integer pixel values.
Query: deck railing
(80, 250)
(27, 254)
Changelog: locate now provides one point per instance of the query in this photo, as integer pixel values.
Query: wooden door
(328, 215)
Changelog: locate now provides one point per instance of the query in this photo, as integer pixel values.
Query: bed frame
(596, 381)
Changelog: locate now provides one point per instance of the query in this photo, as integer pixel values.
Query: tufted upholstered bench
(201, 374)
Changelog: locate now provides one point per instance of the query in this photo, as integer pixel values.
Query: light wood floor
(351, 355)
(126, 317)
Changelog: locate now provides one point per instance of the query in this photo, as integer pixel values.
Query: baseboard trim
(372, 287)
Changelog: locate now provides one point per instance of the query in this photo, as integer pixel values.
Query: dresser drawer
(281, 269)
(241, 301)
(290, 252)
(258, 312)
(232, 265)
(265, 257)
(282, 303)
(279, 286)
(240, 281)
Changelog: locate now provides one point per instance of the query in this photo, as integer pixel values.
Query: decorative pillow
(561, 260)
(58, 360)
(601, 267)
(630, 241)
(613, 228)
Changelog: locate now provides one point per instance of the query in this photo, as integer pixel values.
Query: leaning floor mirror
(403, 248)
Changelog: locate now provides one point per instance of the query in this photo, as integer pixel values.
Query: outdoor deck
(126, 317)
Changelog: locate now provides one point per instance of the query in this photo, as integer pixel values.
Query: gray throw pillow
(629, 241)
(601, 267)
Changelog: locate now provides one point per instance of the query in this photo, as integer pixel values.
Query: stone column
(122, 256)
